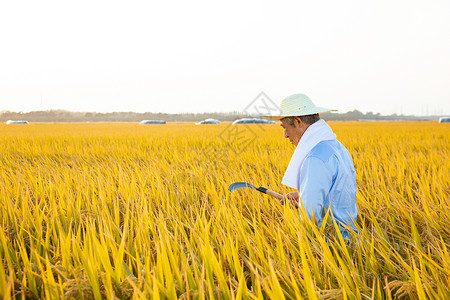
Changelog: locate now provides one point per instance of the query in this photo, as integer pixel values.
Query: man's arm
(315, 184)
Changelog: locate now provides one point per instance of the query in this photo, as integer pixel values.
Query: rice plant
(121, 211)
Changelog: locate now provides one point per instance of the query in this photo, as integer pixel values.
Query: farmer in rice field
(321, 168)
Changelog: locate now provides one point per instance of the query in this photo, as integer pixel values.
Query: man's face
(294, 132)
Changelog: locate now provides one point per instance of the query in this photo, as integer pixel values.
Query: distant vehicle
(148, 122)
(208, 121)
(444, 120)
(16, 122)
(254, 121)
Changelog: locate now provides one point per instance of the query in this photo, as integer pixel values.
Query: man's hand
(293, 198)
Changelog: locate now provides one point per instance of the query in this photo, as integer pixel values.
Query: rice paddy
(121, 211)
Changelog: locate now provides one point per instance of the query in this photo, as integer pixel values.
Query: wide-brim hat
(298, 105)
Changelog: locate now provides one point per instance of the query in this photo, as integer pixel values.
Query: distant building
(16, 122)
(148, 122)
(254, 121)
(444, 120)
(208, 121)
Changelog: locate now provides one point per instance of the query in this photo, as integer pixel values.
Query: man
(321, 169)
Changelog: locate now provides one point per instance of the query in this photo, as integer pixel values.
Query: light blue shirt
(328, 181)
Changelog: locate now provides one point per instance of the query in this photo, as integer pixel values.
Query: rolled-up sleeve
(315, 184)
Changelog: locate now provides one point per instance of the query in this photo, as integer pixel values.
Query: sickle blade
(238, 185)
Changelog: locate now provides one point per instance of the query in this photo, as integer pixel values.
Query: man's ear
(298, 121)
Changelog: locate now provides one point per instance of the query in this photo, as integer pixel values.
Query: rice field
(122, 211)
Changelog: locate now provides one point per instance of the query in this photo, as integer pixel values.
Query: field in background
(126, 210)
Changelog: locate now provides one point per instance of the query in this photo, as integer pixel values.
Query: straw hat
(298, 105)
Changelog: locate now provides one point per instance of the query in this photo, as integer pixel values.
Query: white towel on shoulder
(314, 134)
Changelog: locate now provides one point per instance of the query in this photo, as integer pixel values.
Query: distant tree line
(69, 116)
(356, 115)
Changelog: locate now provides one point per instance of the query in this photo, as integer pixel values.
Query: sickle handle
(270, 193)
(274, 194)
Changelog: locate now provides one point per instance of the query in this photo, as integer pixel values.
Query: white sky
(205, 56)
